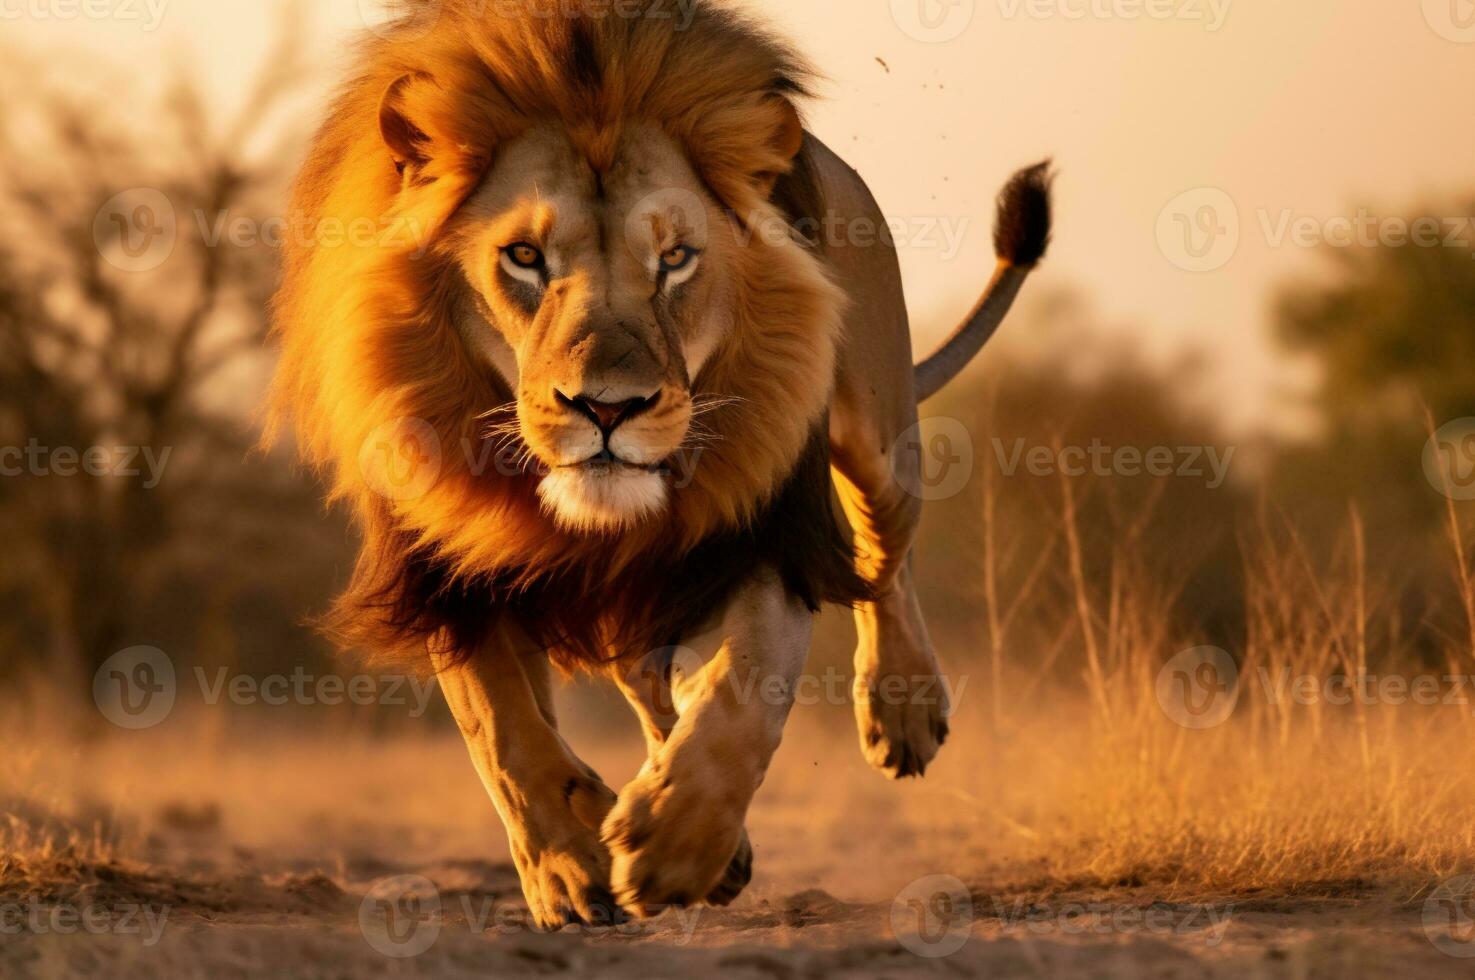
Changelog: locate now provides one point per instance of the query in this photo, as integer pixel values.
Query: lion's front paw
(671, 842)
(564, 866)
(902, 721)
(570, 884)
(739, 872)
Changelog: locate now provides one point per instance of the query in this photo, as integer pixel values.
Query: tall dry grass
(1094, 783)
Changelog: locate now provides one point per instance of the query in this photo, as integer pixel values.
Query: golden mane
(367, 335)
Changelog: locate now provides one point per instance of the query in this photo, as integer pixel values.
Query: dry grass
(1048, 786)
(1094, 784)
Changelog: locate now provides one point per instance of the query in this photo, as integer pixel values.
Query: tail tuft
(1022, 232)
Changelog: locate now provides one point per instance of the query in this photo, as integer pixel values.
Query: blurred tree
(1392, 329)
(132, 318)
(1392, 326)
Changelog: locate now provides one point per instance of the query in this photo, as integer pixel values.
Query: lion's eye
(678, 258)
(524, 256)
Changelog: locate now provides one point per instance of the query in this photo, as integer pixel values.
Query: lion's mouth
(606, 462)
(604, 493)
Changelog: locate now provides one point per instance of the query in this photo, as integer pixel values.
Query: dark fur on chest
(402, 598)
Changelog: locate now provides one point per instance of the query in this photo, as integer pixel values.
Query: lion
(574, 337)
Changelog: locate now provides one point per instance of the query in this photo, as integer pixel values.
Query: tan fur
(367, 331)
(525, 122)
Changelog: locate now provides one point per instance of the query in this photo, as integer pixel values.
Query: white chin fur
(602, 499)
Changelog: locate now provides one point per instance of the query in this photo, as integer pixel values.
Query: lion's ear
(407, 143)
(786, 141)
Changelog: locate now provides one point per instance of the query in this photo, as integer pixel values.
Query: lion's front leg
(551, 803)
(677, 829)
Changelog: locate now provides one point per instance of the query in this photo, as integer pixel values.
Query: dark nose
(608, 416)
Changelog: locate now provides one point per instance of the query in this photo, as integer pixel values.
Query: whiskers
(700, 434)
(504, 431)
(505, 409)
(502, 428)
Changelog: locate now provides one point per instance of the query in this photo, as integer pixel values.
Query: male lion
(584, 384)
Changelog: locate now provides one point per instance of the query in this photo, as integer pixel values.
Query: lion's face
(597, 297)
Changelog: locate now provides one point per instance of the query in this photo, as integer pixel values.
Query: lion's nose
(607, 416)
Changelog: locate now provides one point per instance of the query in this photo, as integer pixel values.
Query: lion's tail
(1021, 236)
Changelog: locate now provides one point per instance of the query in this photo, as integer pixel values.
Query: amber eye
(524, 256)
(678, 258)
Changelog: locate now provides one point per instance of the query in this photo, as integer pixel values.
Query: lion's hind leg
(901, 698)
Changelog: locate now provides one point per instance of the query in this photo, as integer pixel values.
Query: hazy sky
(1278, 116)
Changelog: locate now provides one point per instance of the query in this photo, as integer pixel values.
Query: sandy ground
(200, 851)
(319, 925)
